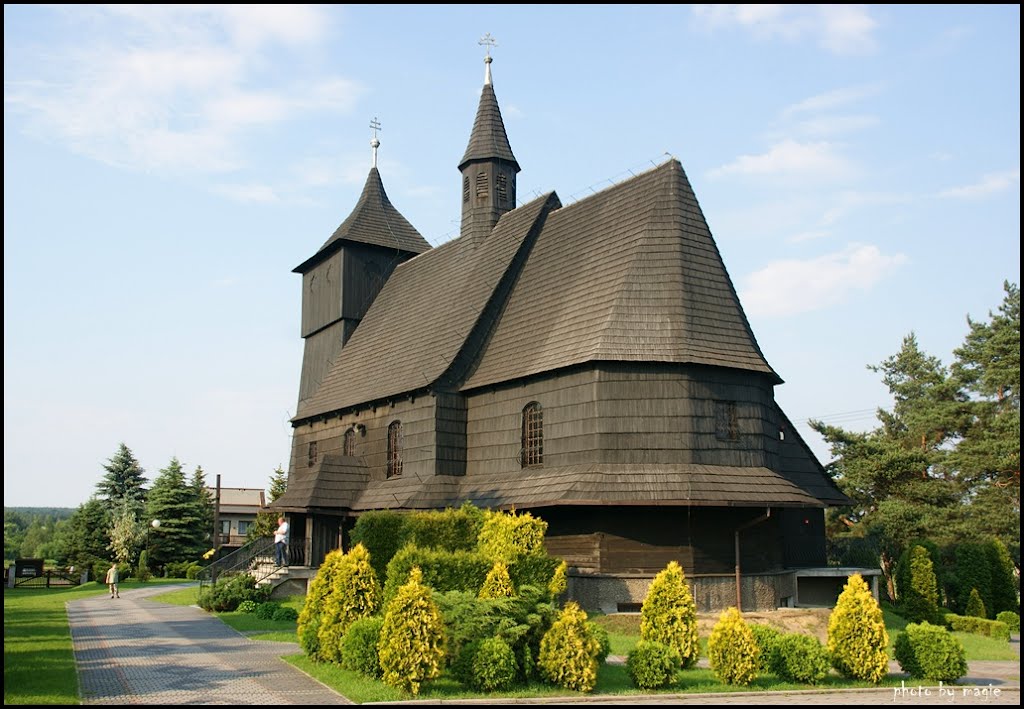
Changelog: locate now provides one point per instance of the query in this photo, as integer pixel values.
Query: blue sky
(166, 167)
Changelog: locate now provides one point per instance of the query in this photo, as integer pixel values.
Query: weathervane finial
(374, 143)
(488, 41)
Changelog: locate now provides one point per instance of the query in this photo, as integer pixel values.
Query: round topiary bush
(927, 651)
(766, 638)
(267, 610)
(652, 665)
(494, 666)
(800, 658)
(247, 607)
(732, 649)
(359, 646)
(604, 642)
(1011, 619)
(285, 613)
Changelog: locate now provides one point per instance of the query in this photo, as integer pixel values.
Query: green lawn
(39, 663)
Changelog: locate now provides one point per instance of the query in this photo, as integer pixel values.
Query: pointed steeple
(488, 167)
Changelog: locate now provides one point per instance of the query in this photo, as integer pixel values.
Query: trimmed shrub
(568, 652)
(442, 570)
(506, 536)
(229, 591)
(498, 584)
(978, 626)
(559, 580)
(975, 606)
(604, 643)
(182, 570)
(766, 638)
(919, 600)
(857, 639)
(927, 651)
(533, 570)
(309, 618)
(800, 658)
(359, 646)
(412, 638)
(732, 649)
(285, 613)
(449, 530)
(383, 533)
(1004, 586)
(354, 594)
(266, 611)
(669, 615)
(247, 607)
(1011, 619)
(142, 572)
(653, 665)
(494, 665)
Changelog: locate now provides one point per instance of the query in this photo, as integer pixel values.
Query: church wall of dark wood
(321, 294)
(317, 352)
(494, 423)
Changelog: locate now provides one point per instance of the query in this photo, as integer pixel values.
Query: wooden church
(590, 363)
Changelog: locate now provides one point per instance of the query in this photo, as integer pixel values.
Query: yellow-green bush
(975, 606)
(505, 536)
(494, 666)
(498, 583)
(767, 639)
(309, 618)
(857, 639)
(732, 649)
(559, 581)
(669, 615)
(800, 658)
(652, 665)
(354, 594)
(412, 638)
(568, 652)
(929, 651)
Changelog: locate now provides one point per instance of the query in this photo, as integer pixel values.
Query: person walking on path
(112, 579)
(281, 542)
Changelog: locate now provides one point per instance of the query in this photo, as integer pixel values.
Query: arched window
(395, 449)
(533, 435)
(350, 442)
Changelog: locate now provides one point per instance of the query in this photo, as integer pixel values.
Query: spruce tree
(85, 539)
(123, 482)
(204, 508)
(182, 533)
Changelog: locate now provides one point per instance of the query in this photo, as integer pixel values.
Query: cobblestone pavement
(133, 650)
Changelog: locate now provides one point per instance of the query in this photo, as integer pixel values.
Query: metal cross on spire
(374, 143)
(487, 41)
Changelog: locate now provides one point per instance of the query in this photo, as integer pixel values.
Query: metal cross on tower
(374, 143)
(488, 41)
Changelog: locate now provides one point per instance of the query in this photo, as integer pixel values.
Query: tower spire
(488, 41)
(374, 143)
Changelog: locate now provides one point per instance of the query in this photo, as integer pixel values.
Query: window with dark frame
(533, 435)
(225, 527)
(395, 449)
(726, 421)
(350, 442)
(243, 526)
(312, 453)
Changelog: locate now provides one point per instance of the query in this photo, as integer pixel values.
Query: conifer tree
(669, 614)
(857, 639)
(412, 639)
(123, 482)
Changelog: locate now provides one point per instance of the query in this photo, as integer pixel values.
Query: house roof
(423, 316)
(374, 221)
(347, 486)
(629, 274)
(488, 139)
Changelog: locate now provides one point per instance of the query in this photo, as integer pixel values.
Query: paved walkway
(134, 650)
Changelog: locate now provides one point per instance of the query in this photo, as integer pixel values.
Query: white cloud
(818, 160)
(989, 185)
(826, 126)
(841, 29)
(810, 235)
(168, 92)
(831, 99)
(793, 286)
(849, 201)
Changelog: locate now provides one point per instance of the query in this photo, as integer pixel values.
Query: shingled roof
(335, 482)
(374, 220)
(423, 316)
(629, 274)
(488, 139)
(689, 485)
